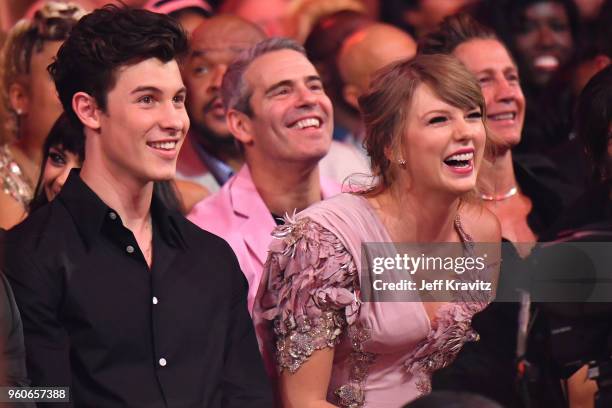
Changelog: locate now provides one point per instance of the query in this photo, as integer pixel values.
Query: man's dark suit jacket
(97, 319)
(12, 350)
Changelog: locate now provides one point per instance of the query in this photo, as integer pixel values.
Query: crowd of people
(190, 190)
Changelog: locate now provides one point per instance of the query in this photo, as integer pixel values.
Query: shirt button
(155, 300)
(162, 362)
(129, 249)
(112, 216)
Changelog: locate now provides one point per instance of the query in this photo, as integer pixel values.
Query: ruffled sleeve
(310, 291)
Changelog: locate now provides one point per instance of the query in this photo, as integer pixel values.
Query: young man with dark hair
(122, 299)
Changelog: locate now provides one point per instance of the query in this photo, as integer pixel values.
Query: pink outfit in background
(384, 352)
(237, 214)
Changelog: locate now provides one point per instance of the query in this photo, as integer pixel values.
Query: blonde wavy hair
(52, 22)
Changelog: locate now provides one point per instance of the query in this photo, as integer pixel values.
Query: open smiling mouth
(314, 123)
(502, 116)
(164, 146)
(546, 62)
(460, 161)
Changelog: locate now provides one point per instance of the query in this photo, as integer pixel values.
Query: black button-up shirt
(98, 320)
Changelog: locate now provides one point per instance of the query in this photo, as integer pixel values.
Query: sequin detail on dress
(13, 180)
(351, 395)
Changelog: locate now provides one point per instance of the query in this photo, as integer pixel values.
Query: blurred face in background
(214, 45)
(271, 18)
(56, 170)
(498, 76)
(544, 42)
(33, 96)
(429, 13)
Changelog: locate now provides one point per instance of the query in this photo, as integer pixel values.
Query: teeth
(163, 145)
(503, 116)
(546, 62)
(310, 122)
(461, 157)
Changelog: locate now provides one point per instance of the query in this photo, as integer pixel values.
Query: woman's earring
(402, 162)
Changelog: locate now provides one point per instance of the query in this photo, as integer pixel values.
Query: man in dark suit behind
(12, 350)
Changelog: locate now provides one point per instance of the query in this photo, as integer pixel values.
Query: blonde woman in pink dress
(426, 139)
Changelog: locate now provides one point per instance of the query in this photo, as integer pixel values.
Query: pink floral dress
(384, 352)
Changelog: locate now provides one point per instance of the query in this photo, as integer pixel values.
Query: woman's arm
(306, 290)
(11, 212)
(307, 387)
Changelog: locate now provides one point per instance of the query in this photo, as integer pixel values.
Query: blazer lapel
(258, 222)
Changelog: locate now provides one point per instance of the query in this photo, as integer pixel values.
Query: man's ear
(351, 93)
(86, 109)
(19, 99)
(602, 61)
(240, 125)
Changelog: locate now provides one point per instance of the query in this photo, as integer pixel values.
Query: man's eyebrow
(313, 78)
(201, 52)
(277, 85)
(197, 53)
(486, 71)
(154, 89)
(146, 88)
(288, 82)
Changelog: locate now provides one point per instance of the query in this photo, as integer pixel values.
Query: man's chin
(213, 135)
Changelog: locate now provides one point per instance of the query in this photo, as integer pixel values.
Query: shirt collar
(168, 222)
(89, 212)
(220, 170)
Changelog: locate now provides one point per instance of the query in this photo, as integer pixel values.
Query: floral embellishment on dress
(312, 277)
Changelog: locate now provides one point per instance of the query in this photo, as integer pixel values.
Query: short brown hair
(235, 91)
(385, 107)
(452, 32)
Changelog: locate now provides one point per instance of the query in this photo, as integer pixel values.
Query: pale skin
(412, 211)
(283, 160)
(121, 164)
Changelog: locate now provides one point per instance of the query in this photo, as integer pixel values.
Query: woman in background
(30, 99)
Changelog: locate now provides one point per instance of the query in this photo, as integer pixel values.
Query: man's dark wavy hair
(107, 39)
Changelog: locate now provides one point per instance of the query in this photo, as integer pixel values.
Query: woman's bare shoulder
(11, 211)
(480, 223)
